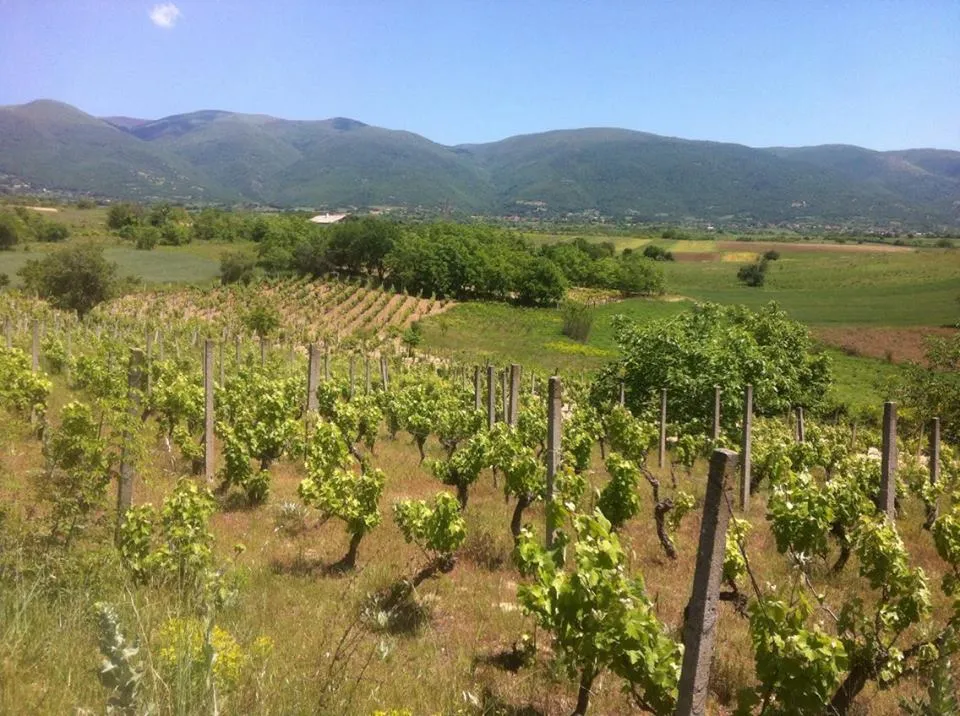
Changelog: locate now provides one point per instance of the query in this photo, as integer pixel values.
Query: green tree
(639, 275)
(124, 214)
(542, 283)
(52, 231)
(75, 278)
(236, 267)
(713, 345)
(12, 230)
(262, 318)
(754, 274)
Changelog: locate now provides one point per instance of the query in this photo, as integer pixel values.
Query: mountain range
(213, 156)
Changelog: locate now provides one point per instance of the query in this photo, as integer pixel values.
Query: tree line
(439, 259)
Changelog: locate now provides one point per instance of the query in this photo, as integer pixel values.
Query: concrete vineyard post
(326, 363)
(491, 397)
(503, 396)
(366, 374)
(935, 451)
(313, 371)
(888, 461)
(716, 413)
(746, 448)
(384, 373)
(209, 466)
(353, 373)
(533, 384)
(554, 432)
(135, 383)
(662, 447)
(622, 399)
(69, 356)
(934, 466)
(477, 388)
(149, 345)
(801, 432)
(35, 347)
(700, 625)
(514, 394)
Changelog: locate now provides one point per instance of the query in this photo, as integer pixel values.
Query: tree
(640, 275)
(753, 274)
(12, 230)
(657, 253)
(75, 278)
(52, 231)
(236, 267)
(124, 214)
(933, 388)
(713, 345)
(541, 284)
(262, 318)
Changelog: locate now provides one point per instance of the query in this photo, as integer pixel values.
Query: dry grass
(897, 345)
(451, 645)
(793, 247)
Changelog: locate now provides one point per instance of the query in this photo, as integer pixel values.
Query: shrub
(657, 253)
(640, 276)
(52, 231)
(771, 255)
(577, 320)
(145, 237)
(236, 267)
(753, 274)
(124, 214)
(12, 230)
(262, 318)
(713, 345)
(76, 278)
(542, 283)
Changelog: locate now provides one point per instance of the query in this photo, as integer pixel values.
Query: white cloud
(165, 15)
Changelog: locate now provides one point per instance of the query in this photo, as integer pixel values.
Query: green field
(827, 285)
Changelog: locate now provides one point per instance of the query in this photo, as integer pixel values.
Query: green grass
(195, 263)
(919, 288)
(165, 264)
(860, 383)
(532, 336)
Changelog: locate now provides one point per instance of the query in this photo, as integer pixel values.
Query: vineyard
(309, 311)
(192, 524)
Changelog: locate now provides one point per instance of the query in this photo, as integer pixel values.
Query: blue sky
(884, 75)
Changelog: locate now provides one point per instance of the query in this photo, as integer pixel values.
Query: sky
(876, 73)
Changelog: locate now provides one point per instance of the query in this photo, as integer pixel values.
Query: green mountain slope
(53, 145)
(222, 156)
